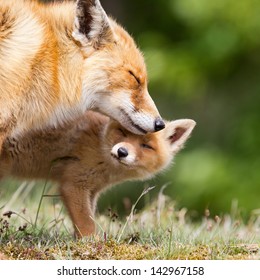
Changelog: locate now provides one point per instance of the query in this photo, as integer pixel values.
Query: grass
(160, 231)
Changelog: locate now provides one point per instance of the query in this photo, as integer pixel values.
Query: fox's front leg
(77, 200)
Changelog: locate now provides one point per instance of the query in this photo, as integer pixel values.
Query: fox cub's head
(114, 75)
(145, 155)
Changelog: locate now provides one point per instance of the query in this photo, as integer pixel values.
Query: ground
(160, 231)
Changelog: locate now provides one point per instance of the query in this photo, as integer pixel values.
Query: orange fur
(84, 158)
(59, 60)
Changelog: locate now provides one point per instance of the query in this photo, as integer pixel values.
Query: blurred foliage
(203, 59)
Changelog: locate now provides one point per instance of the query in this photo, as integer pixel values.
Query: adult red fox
(60, 59)
(89, 155)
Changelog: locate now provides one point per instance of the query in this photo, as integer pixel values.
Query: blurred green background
(203, 59)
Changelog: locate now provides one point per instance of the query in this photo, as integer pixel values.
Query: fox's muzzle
(141, 123)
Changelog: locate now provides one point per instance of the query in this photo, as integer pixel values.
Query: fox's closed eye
(122, 132)
(136, 78)
(146, 146)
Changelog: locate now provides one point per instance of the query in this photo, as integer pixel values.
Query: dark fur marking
(12, 148)
(68, 33)
(84, 16)
(6, 24)
(86, 22)
(135, 110)
(66, 158)
(132, 123)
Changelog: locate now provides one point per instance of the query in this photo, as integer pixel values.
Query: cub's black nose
(122, 152)
(159, 124)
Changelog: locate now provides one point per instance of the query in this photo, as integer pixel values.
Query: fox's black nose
(122, 152)
(159, 124)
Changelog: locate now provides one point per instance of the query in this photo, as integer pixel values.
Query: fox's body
(58, 60)
(89, 155)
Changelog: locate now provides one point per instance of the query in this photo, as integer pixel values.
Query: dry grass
(161, 231)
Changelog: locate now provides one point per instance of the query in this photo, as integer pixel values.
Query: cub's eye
(145, 146)
(136, 78)
(122, 132)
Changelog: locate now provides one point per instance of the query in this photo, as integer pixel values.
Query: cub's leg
(77, 201)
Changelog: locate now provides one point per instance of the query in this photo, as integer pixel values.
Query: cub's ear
(92, 26)
(177, 132)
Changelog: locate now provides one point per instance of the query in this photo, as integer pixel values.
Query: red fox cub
(89, 155)
(58, 60)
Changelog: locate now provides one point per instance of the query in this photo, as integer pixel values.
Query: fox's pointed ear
(177, 132)
(92, 26)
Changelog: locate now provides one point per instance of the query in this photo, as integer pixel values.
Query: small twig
(42, 196)
(20, 216)
(51, 195)
(98, 224)
(145, 191)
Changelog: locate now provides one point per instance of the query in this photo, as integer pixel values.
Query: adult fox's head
(114, 75)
